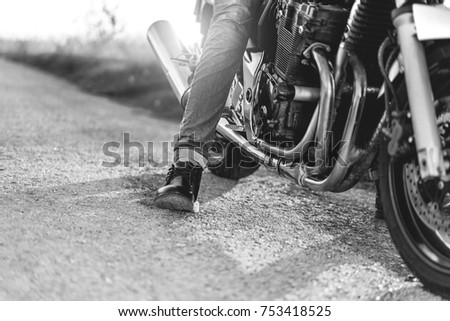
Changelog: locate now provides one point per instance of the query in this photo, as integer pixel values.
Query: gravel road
(74, 230)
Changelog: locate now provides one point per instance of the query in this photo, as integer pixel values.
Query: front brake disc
(435, 216)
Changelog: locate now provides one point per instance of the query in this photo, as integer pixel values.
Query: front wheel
(418, 218)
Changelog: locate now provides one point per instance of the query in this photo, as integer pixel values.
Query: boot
(181, 190)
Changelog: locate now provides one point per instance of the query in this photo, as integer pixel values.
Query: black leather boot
(181, 189)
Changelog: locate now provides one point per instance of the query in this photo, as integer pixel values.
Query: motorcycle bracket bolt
(249, 96)
(264, 110)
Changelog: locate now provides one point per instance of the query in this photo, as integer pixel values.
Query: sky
(58, 19)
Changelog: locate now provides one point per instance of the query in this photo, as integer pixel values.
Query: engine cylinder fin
(303, 25)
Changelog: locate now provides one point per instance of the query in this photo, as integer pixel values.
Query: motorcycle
(329, 90)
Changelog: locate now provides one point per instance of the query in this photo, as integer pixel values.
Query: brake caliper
(402, 140)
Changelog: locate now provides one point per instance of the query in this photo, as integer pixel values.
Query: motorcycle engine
(279, 119)
(302, 25)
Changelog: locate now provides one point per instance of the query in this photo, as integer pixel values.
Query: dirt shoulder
(74, 230)
(123, 71)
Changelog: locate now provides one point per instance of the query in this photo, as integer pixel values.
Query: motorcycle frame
(413, 27)
(352, 161)
(355, 160)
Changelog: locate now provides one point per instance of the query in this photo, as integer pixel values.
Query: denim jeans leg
(222, 53)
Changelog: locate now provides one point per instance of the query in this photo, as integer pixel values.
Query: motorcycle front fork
(420, 97)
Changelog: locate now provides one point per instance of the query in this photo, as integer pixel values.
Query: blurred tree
(104, 23)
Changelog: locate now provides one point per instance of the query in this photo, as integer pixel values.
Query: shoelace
(178, 171)
(186, 172)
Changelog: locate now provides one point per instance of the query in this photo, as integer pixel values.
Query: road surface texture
(72, 229)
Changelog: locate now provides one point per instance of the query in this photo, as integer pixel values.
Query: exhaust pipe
(168, 49)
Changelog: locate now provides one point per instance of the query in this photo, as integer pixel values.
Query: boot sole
(175, 202)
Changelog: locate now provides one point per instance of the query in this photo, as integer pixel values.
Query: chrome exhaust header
(291, 171)
(347, 158)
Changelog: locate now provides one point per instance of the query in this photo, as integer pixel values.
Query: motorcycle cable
(384, 69)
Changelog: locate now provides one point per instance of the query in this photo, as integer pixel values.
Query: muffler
(169, 50)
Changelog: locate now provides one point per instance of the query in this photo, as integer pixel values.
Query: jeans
(224, 47)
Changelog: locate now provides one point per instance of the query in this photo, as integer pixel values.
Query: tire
(234, 163)
(425, 252)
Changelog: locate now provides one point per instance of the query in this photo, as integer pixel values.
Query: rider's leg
(223, 50)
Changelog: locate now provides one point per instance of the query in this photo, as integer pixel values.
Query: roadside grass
(122, 70)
